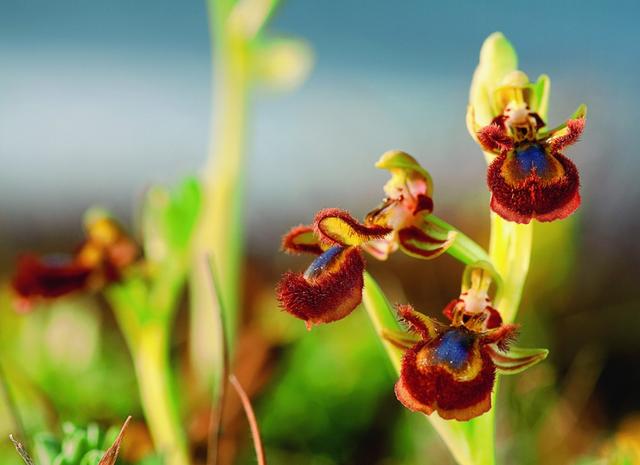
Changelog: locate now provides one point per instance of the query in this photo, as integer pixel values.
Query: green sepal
(497, 59)
(46, 448)
(581, 112)
(516, 360)
(541, 91)
(401, 165)
(400, 339)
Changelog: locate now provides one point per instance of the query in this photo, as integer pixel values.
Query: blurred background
(98, 100)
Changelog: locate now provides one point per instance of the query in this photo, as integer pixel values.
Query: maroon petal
(47, 278)
(427, 384)
(545, 197)
(494, 138)
(301, 239)
(329, 290)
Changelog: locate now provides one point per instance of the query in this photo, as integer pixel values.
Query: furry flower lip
(99, 260)
(331, 288)
(530, 178)
(451, 369)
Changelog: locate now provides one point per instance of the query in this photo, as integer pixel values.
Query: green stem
(11, 404)
(471, 442)
(220, 233)
(382, 317)
(463, 248)
(147, 332)
(510, 250)
(157, 392)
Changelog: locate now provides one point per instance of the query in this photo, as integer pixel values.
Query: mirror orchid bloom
(331, 287)
(529, 178)
(451, 369)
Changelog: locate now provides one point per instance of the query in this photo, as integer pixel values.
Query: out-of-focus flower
(332, 285)
(99, 260)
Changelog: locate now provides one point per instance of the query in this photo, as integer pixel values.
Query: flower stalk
(473, 442)
(242, 57)
(148, 336)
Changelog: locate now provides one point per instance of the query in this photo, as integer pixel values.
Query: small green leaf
(74, 446)
(169, 219)
(91, 458)
(93, 436)
(46, 448)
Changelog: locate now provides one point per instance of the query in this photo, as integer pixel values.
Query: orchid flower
(529, 178)
(331, 287)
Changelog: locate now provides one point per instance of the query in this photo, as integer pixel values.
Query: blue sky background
(100, 99)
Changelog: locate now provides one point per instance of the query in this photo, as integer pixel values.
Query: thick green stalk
(157, 392)
(383, 318)
(510, 250)
(147, 332)
(220, 233)
(465, 440)
(463, 248)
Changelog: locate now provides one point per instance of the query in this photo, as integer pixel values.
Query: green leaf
(91, 458)
(74, 446)
(46, 448)
(169, 219)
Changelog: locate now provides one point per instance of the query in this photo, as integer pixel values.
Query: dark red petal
(494, 138)
(534, 197)
(502, 336)
(301, 239)
(37, 277)
(448, 310)
(495, 319)
(328, 291)
(419, 323)
(433, 387)
(424, 203)
(464, 400)
(575, 127)
(335, 226)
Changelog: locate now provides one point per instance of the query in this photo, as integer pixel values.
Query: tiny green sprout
(78, 446)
